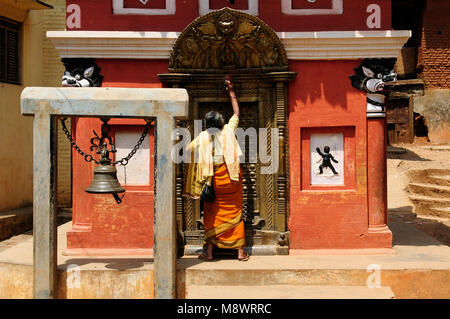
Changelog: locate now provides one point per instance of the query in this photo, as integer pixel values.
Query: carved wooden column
(281, 125)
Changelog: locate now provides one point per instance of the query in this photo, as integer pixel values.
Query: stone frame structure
(45, 104)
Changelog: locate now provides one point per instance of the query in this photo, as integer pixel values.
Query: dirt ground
(404, 157)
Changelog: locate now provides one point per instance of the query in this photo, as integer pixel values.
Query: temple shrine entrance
(232, 42)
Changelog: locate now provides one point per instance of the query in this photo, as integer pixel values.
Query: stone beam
(165, 105)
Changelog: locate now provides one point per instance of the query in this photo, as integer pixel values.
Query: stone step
(440, 179)
(432, 190)
(433, 206)
(441, 211)
(432, 176)
(287, 292)
(15, 222)
(436, 147)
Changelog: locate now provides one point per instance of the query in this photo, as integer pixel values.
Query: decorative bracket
(375, 77)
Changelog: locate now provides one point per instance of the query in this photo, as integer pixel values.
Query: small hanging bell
(105, 182)
(105, 176)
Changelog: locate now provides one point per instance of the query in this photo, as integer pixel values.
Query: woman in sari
(218, 165)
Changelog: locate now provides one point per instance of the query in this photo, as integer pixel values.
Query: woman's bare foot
(208, 255)
(242, 256)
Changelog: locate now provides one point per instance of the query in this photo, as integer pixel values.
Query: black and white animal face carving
(81, 73)
(78, 77)
(375, 76)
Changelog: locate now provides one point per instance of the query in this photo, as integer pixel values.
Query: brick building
(434, 70)
(419, 105)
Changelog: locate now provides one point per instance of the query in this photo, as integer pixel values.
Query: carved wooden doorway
(229, 41)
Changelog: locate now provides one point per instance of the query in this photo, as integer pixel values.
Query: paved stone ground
(64, 215)
(14, 240)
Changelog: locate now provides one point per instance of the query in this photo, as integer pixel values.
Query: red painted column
(377, 174)
(82, 174)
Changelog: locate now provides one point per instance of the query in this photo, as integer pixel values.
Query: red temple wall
(100, 223)
(323, 100)
(98, 15)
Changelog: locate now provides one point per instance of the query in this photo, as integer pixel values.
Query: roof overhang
(17, 9)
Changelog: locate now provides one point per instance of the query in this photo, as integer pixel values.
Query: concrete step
(15, 222)
(428, 205)
(287, 292)
(441, 211)
(427, 189)
(444, 148)
(432, 176)
(440, 179)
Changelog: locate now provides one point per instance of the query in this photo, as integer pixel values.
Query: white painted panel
(138, 168)
(336, 144)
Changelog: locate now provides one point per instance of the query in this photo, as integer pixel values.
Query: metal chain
(125, 174)
(89, 158)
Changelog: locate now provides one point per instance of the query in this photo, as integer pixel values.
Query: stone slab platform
(15, 222)
(289, 292)
(418, 267)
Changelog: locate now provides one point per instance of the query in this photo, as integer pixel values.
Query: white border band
(203, 7)
(169, 10)
(337, 7)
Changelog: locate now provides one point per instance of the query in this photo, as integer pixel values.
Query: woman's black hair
(214, 119)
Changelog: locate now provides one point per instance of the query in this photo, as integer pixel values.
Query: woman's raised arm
(234, 101)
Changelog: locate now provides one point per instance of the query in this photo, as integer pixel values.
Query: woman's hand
(228, 86)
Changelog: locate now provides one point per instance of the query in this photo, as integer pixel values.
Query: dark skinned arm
(234, 101)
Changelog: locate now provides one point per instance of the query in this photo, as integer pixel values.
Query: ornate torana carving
(375, 77)
(228, 41)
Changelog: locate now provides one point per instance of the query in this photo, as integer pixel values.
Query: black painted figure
(326, 160)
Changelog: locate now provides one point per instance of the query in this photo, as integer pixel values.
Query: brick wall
(55, 20)
(434, 53)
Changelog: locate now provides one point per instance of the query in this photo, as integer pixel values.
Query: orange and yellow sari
(222, 218)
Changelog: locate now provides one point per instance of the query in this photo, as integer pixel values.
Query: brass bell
(105, 182)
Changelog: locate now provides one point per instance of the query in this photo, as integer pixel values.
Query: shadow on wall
(329, 80)
(130, 73)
